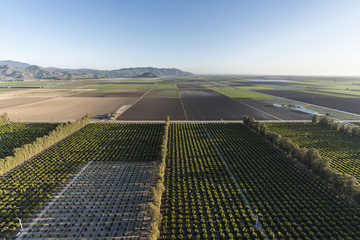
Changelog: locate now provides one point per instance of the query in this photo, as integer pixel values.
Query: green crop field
(341, 149)
(134, 86)
(332, 94)
(237, 93)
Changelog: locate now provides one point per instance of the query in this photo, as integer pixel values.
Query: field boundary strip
(182, 104)
(236, 183)
(57, 196)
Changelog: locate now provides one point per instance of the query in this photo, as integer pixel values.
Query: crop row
(14, 135)
(201, 201)
(292, 202)
(26, 188)
(340, 148)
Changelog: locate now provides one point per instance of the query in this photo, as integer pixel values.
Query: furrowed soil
(343, 104)
(17, 101)
(205, 104)
(154, 109)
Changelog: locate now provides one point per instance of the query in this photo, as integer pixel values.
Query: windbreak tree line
(311, 158)
(23, 153)
(4, 119)
(153, 207)
(17, 134)
(332, 124)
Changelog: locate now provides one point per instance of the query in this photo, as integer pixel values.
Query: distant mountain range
(12, 70)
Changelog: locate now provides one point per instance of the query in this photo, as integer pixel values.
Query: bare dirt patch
(68, 108)
(17, 101)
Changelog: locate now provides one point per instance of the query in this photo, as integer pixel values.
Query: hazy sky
(318, 37)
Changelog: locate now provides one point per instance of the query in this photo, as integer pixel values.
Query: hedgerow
(29, 150)
(157, 191)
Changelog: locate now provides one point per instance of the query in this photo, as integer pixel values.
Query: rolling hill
(12, 70)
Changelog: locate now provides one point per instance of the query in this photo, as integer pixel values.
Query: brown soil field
(162, 93)
(343, 104)
(17, 101)
(67, 108)
(280, 113)
(189, 86)
(205, 104)
(124, 93)
(154, 109)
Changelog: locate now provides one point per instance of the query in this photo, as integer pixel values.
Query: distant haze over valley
(13, 70)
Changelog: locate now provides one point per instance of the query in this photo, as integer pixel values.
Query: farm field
(134, 86)
(156, 104)
(291, 202)
(154, 109)
(17, 101)
(197, 98)
(343, 104)
(219, 177)
(35, 181)
(341, 149)
(200, 200)
(205, 104)
(107, 200)
(121, 93)
(279, 113)
(67, 108)
(14, 135)
(199, 193)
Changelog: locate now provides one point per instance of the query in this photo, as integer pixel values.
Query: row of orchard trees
(157, 191)
(27, 151)
(4, 119)
(311, 158)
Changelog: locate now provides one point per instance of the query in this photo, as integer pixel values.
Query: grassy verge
(157, 191)
(134, 86)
